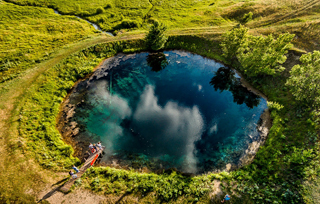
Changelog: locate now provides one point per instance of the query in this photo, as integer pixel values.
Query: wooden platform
(89, 162)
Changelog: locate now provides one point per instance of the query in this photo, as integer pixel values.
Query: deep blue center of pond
(171, 109)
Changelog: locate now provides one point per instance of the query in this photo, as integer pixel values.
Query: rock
(263, 127)
(228, 167)
(75, 132)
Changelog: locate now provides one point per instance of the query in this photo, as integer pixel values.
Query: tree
(156, 38)
(257, 55)
(264, 56)
(304, 81)
(232, 41)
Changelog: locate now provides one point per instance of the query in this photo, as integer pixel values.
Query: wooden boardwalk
(89, 162)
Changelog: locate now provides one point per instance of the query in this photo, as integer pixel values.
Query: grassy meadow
(43, 54)
(29, 35)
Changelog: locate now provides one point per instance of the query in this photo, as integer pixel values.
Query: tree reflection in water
(157, 61)
(225, 79)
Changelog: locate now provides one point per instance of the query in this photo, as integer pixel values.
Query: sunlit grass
(28, 35)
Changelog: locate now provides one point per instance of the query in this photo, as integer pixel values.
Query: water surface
(171, 109)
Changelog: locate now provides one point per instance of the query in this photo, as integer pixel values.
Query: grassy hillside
(43, 54)
(269, 16)
(112, 15)
(29, 35)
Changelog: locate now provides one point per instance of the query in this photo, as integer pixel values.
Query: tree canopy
(156, 38)
(232, 41)
(257, 55)
(304, 81)
(264, 55)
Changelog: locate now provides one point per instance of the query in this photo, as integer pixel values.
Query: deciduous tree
(264, 55)
(304, 81)
(232, 41)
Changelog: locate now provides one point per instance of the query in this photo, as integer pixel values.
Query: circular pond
(163, 110)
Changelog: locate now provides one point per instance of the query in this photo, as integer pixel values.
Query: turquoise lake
(170, 109)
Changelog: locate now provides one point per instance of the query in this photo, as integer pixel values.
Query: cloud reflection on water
(172, 129)
(160, 131)
(108, 114)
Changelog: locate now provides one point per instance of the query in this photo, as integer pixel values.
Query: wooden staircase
(89, 162)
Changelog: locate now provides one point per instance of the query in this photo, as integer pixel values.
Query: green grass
(167, 186)
(286, 168)
(29, 35)
(182, 14)
(276, 173)
(269, 16)
(37, 122)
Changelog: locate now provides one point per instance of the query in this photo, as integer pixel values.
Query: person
(99, 145)
(91, 147)
(95, 147)
(226, 198)
(75, 168)
(72, 174)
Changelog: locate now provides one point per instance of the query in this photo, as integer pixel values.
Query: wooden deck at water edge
(89, 162)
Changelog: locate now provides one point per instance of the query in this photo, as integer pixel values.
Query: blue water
(171, 109)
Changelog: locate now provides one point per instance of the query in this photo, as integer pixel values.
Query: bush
(127, 24)
(100, 10)
(274, 105)
(108, 6)
(247, 17)
(85, 13)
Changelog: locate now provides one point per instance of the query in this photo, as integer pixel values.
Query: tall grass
(175, 14)
(29, 34)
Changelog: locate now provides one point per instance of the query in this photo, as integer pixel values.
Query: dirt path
(79, 196)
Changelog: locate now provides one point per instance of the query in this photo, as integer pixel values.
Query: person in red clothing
(92, 149)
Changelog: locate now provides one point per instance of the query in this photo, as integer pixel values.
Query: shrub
(257, 55)
(85, 13)
(247, 17)
(100, 10)
(129, 24)
(274, 105)
(108, 6)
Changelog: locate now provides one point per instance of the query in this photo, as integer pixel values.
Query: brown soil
(79, 196)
